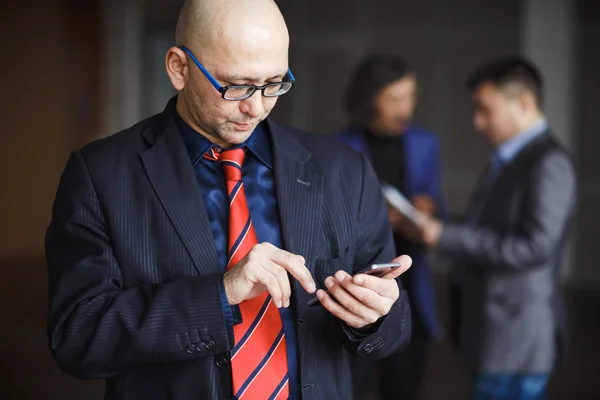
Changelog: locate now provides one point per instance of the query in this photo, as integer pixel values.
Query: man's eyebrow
(231, 78)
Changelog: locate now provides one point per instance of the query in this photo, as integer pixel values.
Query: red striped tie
(259, 357)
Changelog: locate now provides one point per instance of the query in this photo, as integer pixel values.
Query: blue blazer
(422, 177)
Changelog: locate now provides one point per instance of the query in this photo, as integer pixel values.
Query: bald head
(232, 28)
(234, 42)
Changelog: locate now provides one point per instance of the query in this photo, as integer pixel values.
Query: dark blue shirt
(259, 186)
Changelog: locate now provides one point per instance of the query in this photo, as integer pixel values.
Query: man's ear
(527, 101)
(177, 67)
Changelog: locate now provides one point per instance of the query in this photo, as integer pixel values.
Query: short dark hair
(373, 73)
(508, 70)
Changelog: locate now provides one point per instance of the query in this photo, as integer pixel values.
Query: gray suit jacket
(511, 317)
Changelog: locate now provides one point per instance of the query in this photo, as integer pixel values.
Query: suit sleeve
(96, 326)
(544, 219)
(375, 244)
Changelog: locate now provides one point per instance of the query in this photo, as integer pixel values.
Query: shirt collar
(259, 142)
(508, 150)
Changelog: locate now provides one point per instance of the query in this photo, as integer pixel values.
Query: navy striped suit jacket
(134, 278)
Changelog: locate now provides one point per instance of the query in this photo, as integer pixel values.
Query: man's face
(232, 122)
(394, 106)
(496, 114)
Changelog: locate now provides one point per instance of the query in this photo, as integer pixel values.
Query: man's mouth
(243, 126)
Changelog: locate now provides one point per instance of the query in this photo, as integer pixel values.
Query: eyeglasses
(241, 92)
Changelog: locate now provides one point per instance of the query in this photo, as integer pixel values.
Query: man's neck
(524, 127)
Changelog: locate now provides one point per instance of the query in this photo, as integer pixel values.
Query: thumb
(405, 263)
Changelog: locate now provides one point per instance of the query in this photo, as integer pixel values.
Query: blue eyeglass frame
(223, 89)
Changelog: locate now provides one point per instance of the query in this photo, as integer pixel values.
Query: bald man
(183, 252)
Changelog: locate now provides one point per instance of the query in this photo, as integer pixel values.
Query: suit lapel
(477, 201)
(299, 188)
(485, 190)
(171, 174)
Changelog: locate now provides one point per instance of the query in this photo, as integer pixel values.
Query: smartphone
(378, 270)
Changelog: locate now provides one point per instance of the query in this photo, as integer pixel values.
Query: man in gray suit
(508, 251)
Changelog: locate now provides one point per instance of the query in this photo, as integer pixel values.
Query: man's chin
(235, 137)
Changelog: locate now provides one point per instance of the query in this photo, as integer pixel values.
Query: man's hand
(363, 299)
(424, 203)
(266, 267)
(431, 229)
(405, 227)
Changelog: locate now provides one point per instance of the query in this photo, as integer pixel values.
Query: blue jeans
(493, 386)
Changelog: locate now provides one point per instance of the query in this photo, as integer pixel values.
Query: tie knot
(231, 160)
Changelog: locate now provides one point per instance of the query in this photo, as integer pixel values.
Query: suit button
(210, 344)
(190, 349)
(201, 346)
(221, 362)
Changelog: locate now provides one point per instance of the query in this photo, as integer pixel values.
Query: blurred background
(77, 70)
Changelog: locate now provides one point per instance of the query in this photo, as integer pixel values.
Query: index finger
(294, 264)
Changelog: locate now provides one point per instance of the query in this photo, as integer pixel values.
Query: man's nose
(253, 105)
